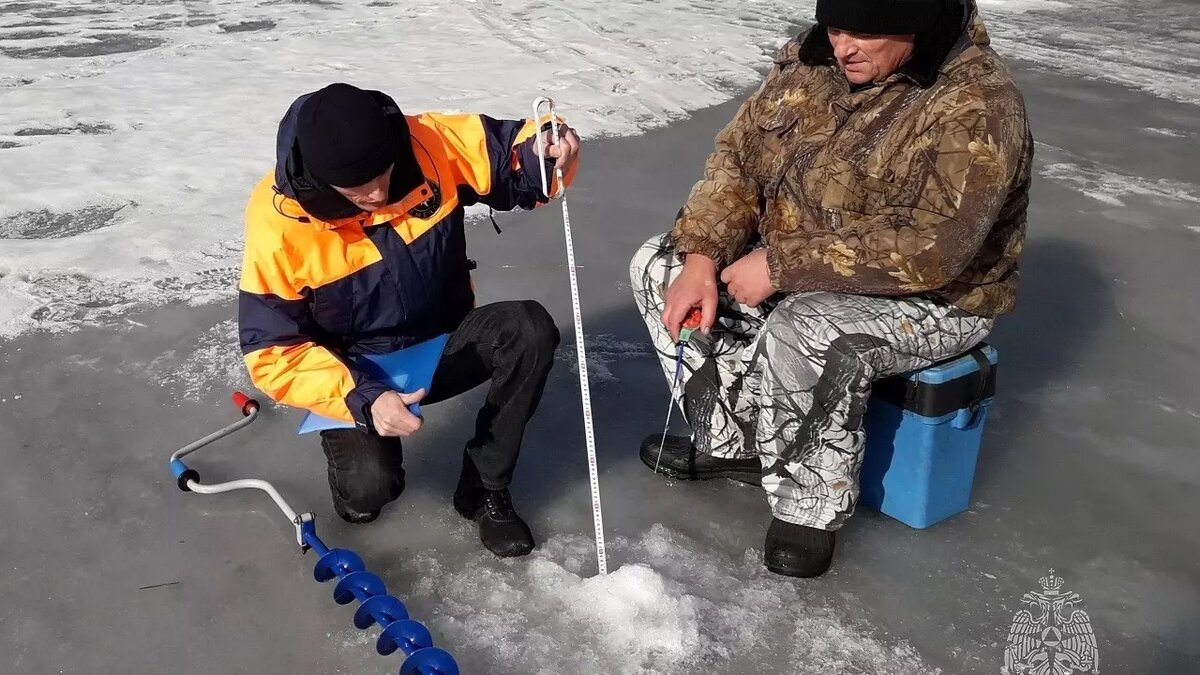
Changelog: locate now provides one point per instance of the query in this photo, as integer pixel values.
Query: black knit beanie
(344, 137)
(880, 17)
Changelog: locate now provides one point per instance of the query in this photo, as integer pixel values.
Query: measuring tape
(585, 391)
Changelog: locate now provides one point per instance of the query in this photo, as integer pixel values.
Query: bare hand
(391, 414)
(566, 151)
(749, 279)
(696, 286)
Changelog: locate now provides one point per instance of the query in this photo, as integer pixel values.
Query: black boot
(351, 516)
(468, 496)
(500, 528)
(681, 460)
(798, 551)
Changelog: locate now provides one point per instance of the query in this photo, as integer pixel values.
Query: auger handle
(247, 405)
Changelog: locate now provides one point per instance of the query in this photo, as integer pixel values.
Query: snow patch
(1109, 186)
(1172, 133)
(674, 606)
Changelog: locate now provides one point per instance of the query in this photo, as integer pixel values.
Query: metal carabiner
(552, 113)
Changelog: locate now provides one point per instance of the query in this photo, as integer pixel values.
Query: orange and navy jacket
(322, 280)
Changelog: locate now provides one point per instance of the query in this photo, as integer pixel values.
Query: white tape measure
(585, 391)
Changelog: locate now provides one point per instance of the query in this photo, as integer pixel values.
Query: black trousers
(510, 344)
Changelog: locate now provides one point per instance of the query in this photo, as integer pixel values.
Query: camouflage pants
(788, 381)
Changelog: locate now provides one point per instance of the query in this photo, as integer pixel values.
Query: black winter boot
(798, 551)
(350, 516)
(501, 530)
(468, 496)
(681, 460)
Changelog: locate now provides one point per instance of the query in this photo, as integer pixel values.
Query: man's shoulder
(789, 51)
(260, 214)
(270, 217)
(979, 82)
(981, 72)
(441, 123)
(807, 49)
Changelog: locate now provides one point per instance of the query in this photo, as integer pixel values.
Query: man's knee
(798, 320)
(537, 329)
(650, 262)
(805, 337)
(366, 471)
(811, 323)
(372, 488)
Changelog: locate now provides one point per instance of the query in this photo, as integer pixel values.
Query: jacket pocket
(850, 187)
(773, 117)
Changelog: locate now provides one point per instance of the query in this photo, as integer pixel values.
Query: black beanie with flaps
(880, 17)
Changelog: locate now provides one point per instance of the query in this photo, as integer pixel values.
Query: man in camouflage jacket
(861, 216)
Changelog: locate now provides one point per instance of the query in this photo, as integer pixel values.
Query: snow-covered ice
(1114, 43)
(676, 606)
(130, 134)
(133, 132)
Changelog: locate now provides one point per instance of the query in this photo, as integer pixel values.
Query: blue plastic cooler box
(923, 435)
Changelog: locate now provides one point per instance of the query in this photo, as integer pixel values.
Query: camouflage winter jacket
(917, 185)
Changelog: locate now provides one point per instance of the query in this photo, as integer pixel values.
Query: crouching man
(355, 245)
(861, 216)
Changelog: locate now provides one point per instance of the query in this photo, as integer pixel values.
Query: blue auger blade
(407, 636)
(429, 661)
(360, 585)
(381, 609)
(337, 563)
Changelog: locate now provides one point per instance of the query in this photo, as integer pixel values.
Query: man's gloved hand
(391, 415)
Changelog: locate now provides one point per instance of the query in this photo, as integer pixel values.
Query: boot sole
(793, 572)
(747, 476)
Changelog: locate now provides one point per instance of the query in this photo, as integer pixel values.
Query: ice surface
(672, 606)
(214, 363)
(603, 351)
(1115, 43)
(172, 106)
(1106, 184)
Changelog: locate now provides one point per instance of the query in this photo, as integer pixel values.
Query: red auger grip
(244, 403)
(693, 319)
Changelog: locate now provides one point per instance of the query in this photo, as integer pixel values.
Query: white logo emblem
(1052, 639)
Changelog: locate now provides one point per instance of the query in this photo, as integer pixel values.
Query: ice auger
(354, 582)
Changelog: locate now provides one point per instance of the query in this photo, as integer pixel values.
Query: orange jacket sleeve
(279, 343)
(496, 160)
